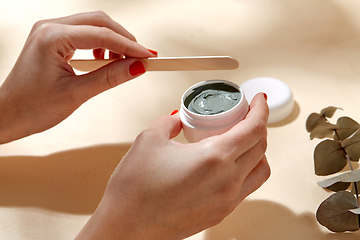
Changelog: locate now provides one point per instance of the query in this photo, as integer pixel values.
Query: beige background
(50, 183)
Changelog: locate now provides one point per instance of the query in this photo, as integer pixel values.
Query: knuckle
(38, 24)
(146, 136)
(212, 157)
(213, 160)
(228, 191)
(104, 33)
(45, 33)
(101, 17)
(47, 37)
(263, 145)
(106, 21)
(266, 171)
(260, 127)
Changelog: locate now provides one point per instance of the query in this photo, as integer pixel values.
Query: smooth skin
(166, 190)
(42, 89)
(161, 189)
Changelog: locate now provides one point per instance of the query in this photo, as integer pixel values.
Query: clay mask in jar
(210, 108)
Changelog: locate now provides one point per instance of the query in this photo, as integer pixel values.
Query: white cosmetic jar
(199, 126)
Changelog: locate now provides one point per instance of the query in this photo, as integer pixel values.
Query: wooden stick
(166, 63)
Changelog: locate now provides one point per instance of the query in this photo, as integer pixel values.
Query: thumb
(167, 126)
(109, 76)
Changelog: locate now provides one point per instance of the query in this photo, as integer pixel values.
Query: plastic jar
(198, 125)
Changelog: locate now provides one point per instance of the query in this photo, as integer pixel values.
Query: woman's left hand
(42, 88)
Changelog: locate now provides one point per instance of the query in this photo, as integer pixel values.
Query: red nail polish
(174, 112)
(153, 52)
(265, 96)
(137, 68)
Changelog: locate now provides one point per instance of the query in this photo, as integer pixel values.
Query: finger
(259, 108)
(99, 53)
(247, 133)
(167, 127)
(89, 85)
(256, 178)
(249, 160)
(90, 37)
(69, 56)
(113, 55)
(99, 19)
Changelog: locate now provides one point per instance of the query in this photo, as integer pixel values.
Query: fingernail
(174, 112)
(136, 68)
(265, 96)
(153, 52)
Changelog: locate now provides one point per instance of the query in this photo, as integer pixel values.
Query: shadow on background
(295, 37)
(292, 117)
(265, 220)
(72, 181)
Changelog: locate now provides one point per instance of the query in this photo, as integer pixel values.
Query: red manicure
(174, 112)
(265, 96)
(137, 68)
(153, 52)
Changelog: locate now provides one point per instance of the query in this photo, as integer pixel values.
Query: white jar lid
(280, 97)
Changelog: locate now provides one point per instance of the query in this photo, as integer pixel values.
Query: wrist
(106, 223)
(114, 219)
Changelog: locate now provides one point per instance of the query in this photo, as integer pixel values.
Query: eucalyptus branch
(340, 212)
(355, 184)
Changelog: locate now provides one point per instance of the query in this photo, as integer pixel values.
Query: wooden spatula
(166, 63)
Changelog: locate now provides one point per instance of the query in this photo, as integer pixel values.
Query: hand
(42, 88)
(166, 190)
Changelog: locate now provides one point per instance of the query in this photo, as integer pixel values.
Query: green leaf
(323, 130)
(329, 158)
(329, 111)
(313, 121)
(334, 213)
(346, 127)
(351, 146)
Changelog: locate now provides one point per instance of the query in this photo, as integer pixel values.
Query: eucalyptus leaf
(351, 146)
(329, 111)
(339, 186)
(314, 120)
(347, 177)
(347, 126)
(334, 213)
(329, 158)
(323, 130)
